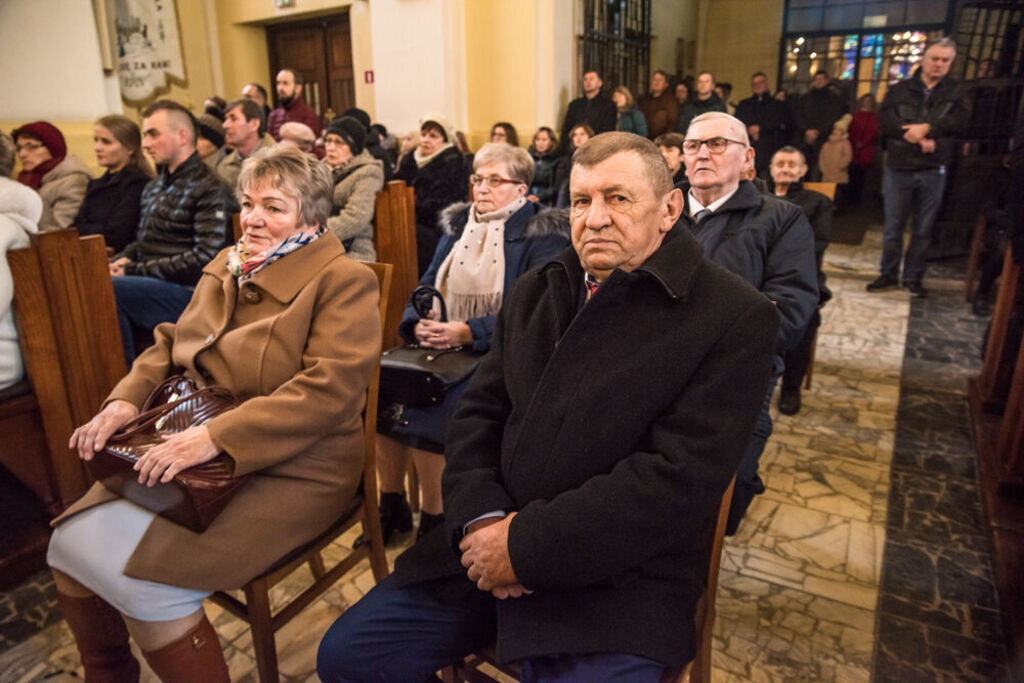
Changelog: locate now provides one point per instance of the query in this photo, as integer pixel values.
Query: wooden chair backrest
(394, 238)
(70, 338)
(827, 189)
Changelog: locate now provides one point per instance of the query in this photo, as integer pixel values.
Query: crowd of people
(635, 285)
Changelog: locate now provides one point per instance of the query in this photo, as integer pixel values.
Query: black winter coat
(440, 183)
(612, 446)
(545, 168)
(599, 113)
(185, 220)
(694, 107)
(769, 243)
(111, 207)
(818, 109)
(772, 117)
(820, 211)
(947, 111)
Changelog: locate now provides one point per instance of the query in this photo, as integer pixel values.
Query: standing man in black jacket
(814, 114)
(185, 220)
(767, 121)
(594, 109)
(920, 120)
(588, 456)
(765, 240)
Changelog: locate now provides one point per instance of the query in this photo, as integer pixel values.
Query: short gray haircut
(943, 42)
(606, 145)
(7, 151)
(741, 128)
(297, 174)
(516, 159)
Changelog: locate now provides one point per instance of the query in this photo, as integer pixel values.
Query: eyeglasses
(30, 146)
(492, 181)
(715, 145)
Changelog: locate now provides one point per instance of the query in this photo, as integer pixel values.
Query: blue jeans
(142, 304)
(916, 194)
(405, 633)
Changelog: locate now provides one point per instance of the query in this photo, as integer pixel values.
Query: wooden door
(321, 51)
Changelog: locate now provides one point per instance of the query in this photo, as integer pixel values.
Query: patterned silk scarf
(243, 264)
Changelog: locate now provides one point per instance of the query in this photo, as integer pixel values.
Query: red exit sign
(368, 76)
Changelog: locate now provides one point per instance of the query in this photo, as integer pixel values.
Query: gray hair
(297, 174)
(6, 155)
(517, 159)
(741, 128)
(606, 145)
(943, 42)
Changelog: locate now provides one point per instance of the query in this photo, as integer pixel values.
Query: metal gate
(616, 41)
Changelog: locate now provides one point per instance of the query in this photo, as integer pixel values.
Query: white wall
(554, 77)
(418, 61)
(50, 57)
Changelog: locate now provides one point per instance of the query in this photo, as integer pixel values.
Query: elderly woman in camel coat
(291, 326)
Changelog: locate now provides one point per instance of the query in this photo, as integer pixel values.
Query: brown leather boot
(196, 657)
(102, 639)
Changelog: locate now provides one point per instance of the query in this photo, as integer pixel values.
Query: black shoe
(428, 522)
(980, 306)
(883, 282)
(789, 401)
(916, 290)
(395, 516)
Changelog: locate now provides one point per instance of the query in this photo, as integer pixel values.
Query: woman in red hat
(59, 178)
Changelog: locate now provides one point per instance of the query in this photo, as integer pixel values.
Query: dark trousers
(748, 483)
(798, 359)
(916, 194)
(142, 304)
(405, 633)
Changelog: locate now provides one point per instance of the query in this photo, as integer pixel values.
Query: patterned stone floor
(863, 560)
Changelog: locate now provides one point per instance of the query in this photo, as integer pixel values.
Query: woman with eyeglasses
(484, 248)
(437, 173)
(60, 178)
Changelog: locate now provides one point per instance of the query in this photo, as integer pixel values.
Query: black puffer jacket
(545, 168)
(185, 220)
(111, 207)
(769, 243)
(438, 184)
(947, 111)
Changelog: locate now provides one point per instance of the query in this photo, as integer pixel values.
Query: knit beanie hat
(211, 129)
(47, 134)
(349, 130)
(359, 115)
(445, 124)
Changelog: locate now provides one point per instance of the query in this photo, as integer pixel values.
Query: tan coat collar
(285, 278)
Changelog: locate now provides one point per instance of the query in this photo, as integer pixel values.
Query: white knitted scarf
(472, 277)
(422, 160)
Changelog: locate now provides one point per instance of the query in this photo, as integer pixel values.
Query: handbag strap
(422, 301)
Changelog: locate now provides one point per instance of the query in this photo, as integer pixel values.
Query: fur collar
(546, 222)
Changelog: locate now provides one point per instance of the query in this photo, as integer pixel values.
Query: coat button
(252, 296)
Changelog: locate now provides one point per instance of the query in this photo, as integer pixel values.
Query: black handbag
(415, 376)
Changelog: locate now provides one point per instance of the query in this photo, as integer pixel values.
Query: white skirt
(94, 546)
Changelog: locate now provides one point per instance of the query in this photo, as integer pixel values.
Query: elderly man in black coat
(765, 240)
(588, 457)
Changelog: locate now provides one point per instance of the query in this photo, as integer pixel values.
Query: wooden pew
(994, 381)
(71, 347)
(394, 237)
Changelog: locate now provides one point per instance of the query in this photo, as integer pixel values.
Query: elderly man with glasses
(765, 240)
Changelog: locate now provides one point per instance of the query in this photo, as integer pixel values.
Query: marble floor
(864, 559)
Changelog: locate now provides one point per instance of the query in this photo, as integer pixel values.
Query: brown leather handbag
(196, 495)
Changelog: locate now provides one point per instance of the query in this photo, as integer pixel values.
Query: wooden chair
(699, 668)
(256, 608)
(394, 238)
(977, 246)
(829, 190)
(71, 347)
